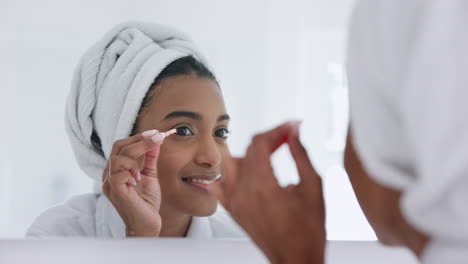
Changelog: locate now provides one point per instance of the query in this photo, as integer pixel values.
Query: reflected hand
(288, 224)
(135, 192)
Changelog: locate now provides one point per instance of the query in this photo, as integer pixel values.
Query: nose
(208, 154)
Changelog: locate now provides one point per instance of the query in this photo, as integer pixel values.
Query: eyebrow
(223, 117)
(188, 114)
(193, 115)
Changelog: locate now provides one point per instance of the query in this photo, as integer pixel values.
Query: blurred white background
(276, 60)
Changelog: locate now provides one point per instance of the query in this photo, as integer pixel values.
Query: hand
(135, 192)
(288, 224)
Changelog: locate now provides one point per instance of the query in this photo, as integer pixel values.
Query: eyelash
(178, 129)
(179, 133)
(226, 133)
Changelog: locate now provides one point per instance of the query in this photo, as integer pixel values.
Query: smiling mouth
(201, 181)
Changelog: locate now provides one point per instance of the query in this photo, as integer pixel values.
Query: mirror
(279, 60)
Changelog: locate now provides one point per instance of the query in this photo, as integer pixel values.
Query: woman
(406, 154)
(138, 80)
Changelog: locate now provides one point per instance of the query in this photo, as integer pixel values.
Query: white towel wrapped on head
(111, 82)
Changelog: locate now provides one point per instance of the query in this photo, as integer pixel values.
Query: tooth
(202, 181)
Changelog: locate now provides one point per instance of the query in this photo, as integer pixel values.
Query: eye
(222, 133)
(184, 131)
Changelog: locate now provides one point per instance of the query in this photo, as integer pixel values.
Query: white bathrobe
(408, 86)
(93, 215)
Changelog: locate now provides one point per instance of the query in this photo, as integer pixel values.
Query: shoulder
(223, 226)
(75, 217)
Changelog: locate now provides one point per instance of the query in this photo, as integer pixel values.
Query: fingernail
(136, 173)
(149, 133)
(295, 127)
(158, 138)
(133, 181)
(296, 123)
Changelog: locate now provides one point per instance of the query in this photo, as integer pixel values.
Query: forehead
(188, 93)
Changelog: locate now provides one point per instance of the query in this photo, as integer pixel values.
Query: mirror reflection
(193, 67)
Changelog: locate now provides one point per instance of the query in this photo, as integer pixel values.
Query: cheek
(224, 152)
(172, 160)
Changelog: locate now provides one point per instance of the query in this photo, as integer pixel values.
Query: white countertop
(90, 251)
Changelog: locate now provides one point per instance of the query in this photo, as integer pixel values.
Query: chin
(207, 209)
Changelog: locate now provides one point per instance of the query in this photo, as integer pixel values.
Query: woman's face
(190, 159)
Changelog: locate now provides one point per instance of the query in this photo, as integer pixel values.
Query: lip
(201, 185)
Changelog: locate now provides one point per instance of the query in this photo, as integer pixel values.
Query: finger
(304, 166)
(119, 144)
(224, 189)
(139, 148)
(105, 173)
(121, 163)
(271, 140)
(311, 183)
(258, 154)
(150, 164)
(105, 187)
(121, 180)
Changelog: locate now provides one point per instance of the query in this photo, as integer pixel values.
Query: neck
(174, 223)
